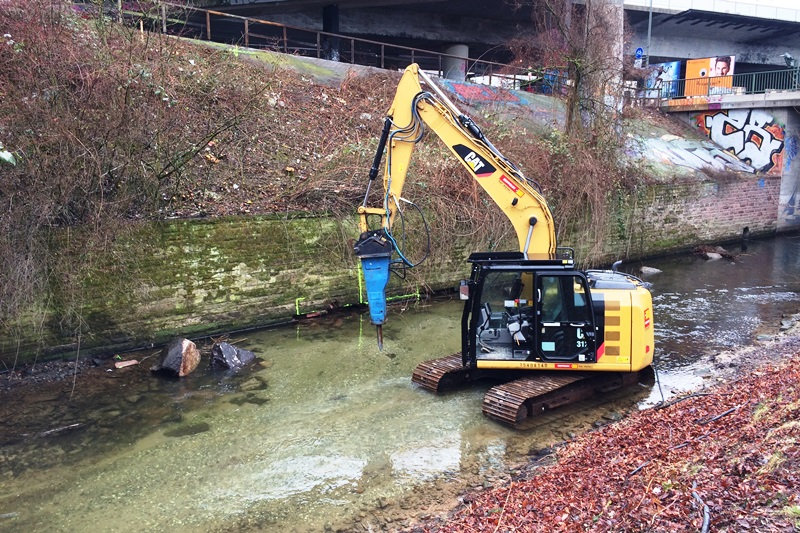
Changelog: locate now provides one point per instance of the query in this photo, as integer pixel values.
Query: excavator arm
(413, 109)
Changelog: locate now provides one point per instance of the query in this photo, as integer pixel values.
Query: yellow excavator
(550, 333)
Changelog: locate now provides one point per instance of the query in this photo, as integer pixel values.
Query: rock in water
(178, 358)
(246, 356)
(224, 355)
(649, 271)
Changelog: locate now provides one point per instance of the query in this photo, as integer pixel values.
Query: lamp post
(649, 32)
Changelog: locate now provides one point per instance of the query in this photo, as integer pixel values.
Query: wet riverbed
(326, 428)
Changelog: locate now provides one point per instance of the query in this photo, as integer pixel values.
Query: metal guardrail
(748, 83)
(251, 32)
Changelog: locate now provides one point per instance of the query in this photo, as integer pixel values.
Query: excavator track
(438, 375)
(515, 402)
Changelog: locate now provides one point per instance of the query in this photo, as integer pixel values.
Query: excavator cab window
(505, 324)
(564, 319)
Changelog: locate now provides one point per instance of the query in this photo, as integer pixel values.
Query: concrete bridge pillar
(789, 205)
(455, 68)
(330, 23)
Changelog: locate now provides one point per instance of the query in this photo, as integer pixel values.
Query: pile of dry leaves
(723, 460)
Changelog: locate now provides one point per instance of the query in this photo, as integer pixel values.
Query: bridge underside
(486, 27)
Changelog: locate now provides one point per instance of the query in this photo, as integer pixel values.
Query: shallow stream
(326, 429)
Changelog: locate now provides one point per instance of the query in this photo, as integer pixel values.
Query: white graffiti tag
(696, 155)
(744, 132)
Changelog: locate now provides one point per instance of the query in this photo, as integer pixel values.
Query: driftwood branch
(60, 429)
(706, 510)
(682, 398)
(502, 512)
(676, 447)
(717, 417)
(639, 468)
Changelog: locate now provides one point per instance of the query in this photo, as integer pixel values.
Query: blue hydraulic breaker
(375, 251)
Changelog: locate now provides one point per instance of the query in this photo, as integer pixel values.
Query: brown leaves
(735, 451)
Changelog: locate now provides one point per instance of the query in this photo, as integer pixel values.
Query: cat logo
(479, 166)
(474, 161)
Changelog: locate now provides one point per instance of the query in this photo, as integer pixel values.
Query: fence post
(352, 50)
(119, 11)
(382, 54)
(247, 33)
(285, 42)
(163, 18)
(319, 46)
(208, 25)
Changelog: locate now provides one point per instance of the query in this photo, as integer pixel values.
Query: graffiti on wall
(674, 150)
(484, 94)
(752, 135)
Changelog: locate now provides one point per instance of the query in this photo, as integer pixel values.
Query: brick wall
(668, 218)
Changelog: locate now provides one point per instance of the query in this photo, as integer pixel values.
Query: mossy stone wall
(193, 277)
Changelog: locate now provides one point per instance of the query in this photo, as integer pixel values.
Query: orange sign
(710, 75)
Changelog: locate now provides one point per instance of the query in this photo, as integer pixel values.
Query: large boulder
(228, 356)
(178, 358)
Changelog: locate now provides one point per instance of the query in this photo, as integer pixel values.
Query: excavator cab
(526, 310)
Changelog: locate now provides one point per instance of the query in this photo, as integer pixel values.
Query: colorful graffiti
(474, 93)
(752, 135)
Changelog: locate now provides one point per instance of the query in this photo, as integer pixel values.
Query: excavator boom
(412, 110)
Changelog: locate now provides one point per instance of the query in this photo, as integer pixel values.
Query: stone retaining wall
(193, 277)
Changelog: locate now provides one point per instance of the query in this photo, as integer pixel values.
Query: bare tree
(585, 39)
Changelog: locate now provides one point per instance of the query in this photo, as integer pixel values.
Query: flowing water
(326, 429)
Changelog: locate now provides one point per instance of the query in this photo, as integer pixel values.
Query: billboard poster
(660, 81)
(709, 75)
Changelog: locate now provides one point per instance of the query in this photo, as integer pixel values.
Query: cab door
(565, 328)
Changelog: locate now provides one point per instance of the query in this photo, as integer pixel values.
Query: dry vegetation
(109, 125)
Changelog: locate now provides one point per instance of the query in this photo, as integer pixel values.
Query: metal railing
(251, 32)
(749, 83)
